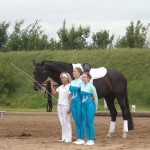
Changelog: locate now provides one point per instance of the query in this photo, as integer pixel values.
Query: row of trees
(33, 37)
(30, 38)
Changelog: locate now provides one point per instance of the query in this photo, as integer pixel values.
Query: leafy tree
(14, 42)
(140, 34)
(130, 35)
(101, 39)
(54, 45)
(63, 36)
(3, 34)
(121, 42)
(30, 38)
(82, 34)
(75, 38)
(135, 36)
(8, 82)
(33, 37)
(37, 39)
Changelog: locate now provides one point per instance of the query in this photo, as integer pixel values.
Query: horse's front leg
(113, 113)
(112, 128)
(113, 125)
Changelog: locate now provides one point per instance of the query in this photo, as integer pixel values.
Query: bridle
(27, 76)
(44, 73)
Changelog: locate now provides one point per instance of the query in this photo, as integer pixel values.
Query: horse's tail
(130, 120)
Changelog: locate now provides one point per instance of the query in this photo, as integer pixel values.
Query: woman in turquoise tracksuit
(89, 106)
(76, 104)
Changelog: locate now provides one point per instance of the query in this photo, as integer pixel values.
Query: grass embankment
(133, 63)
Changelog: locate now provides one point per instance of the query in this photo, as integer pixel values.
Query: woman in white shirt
(63, 106)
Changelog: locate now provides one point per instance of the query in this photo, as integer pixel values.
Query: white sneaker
(76, 141)
(68, 141)
(89, 142)
(80, 142)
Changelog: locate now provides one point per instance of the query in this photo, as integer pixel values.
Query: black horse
(112, 85)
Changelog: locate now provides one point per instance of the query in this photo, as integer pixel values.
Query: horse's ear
(34, 63)
(42, 63)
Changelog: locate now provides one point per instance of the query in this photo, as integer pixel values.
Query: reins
(29, 78)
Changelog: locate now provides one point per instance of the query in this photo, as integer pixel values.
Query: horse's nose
(35, 88)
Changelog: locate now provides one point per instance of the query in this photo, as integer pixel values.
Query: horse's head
(39, 75)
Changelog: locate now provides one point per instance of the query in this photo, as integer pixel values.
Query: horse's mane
(59, 62)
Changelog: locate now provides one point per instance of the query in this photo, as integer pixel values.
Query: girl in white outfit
(63, 106)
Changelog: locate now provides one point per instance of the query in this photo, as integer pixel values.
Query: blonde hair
(67, 76)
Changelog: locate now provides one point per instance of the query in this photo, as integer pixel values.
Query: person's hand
(52, 82)
(68, 111)
(92, 98)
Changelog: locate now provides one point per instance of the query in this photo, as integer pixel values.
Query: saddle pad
(94, 72)
(98, 72)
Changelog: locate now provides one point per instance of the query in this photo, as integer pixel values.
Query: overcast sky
(112, 15)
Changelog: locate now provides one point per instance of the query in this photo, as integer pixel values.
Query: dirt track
(41, 131)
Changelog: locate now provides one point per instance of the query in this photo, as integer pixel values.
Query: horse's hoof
(124, 135)
(109, 135)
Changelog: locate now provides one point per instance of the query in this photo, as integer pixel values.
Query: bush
(8, 83)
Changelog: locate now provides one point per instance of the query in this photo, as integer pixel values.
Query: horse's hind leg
(121, 101)
(113, 112)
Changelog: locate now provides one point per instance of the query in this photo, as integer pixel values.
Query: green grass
(133, 63)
